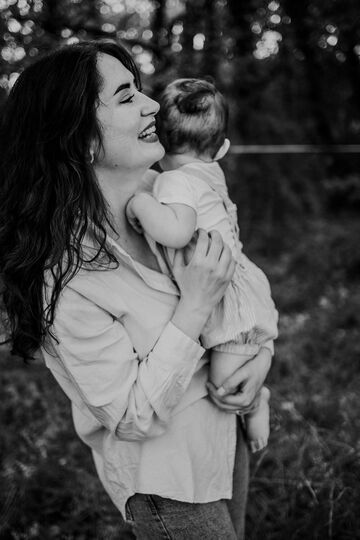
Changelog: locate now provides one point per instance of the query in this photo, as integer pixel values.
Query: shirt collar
(162, 281)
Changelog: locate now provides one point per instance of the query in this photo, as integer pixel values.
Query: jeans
(158, 518)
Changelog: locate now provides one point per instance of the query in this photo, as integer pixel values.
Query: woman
(119, 336)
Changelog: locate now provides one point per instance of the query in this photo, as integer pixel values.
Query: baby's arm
(172, 225)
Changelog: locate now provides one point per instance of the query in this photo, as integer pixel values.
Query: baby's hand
(131, 216)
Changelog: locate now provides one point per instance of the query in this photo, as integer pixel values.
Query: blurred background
(291, 73)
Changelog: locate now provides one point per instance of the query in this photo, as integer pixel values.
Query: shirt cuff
(174, 359)
(174, 345)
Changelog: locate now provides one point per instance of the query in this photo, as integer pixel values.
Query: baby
(191, 193)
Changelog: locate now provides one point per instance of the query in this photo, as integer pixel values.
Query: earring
(92, 156)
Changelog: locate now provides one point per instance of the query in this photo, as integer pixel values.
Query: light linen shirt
(137, 386)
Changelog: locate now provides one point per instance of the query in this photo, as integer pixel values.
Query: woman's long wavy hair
(49, 196)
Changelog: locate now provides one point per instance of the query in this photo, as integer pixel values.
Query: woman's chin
(158, 151)
(146, 155)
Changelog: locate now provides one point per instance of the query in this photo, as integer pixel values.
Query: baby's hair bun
(193, 103)
(193, 115)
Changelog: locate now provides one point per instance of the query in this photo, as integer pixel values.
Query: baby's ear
(223, 150)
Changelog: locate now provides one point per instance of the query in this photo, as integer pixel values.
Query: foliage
(306, 485)
(50, 488)
(290, 71)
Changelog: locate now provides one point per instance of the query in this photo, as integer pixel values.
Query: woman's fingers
(210, 246)
(223, 407)
(249, 377)
(216, 247)
(221, 256)
(237, 389)
(179, 260)
(234, 381)
(202, 281)
(241, 401)
(230, 408)
(202, 245)
(241, 391)
(227, 262)
(230, 270)
(218, 401)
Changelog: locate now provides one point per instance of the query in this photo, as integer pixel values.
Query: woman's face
(127, 119)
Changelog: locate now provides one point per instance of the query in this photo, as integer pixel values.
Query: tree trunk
(313, 69)
(212, 49)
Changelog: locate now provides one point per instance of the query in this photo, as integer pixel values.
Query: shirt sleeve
(173, 187)
(133, 399)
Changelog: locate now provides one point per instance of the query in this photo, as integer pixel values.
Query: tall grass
(306, 485)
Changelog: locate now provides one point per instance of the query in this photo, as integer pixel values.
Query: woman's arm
(172, 225)
(132, 398)
(240, 390)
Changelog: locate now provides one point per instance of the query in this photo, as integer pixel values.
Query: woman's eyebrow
(124, 86)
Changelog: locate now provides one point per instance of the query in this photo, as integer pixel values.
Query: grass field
(305, 485)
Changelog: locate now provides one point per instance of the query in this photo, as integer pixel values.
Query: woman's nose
(149, 106)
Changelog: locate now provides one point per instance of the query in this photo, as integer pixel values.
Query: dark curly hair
(49, 196)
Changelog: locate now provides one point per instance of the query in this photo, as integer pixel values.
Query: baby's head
(193, 118)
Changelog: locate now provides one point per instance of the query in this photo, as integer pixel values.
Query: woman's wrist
(190, 319)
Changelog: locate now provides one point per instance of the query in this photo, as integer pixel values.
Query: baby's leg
(258, 422)
(223, 364)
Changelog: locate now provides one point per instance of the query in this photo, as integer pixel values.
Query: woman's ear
(91, 155)
(222, 150)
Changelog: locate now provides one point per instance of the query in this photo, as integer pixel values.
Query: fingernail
(221, 391)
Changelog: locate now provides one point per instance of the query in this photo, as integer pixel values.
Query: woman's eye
(128, 100)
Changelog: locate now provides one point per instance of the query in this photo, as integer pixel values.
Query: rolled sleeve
(132, 398)
(173, 187)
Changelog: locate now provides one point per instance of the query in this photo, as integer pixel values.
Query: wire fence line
(295, 149)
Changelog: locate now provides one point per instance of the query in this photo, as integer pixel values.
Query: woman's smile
(149, 134)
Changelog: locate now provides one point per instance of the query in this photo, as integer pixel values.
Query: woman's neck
(118, 187)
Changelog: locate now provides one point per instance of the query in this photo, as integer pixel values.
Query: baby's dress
(245, 318)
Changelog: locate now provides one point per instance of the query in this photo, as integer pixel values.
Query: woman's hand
(239, 392)
(202, 281)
